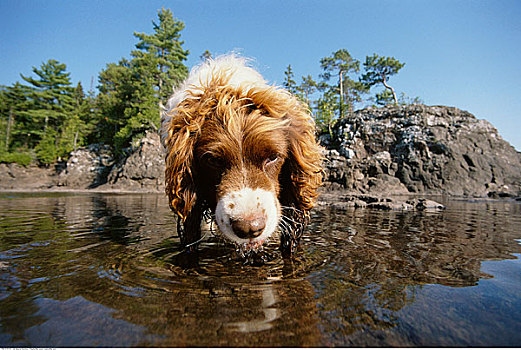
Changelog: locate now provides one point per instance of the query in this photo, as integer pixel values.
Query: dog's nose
(248, 227)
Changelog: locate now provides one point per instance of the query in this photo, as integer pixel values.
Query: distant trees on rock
(343, 85)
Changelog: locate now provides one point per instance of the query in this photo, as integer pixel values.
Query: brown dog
(242, 150)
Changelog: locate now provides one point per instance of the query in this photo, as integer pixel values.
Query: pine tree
(13, 100)
(378, 70)
(52, 105)
(116, 92)
(384, 97)
(327, 105)
(76, 127)
(52, 94)
(289, 80)
(16, 126)
(6, 120)
(127, 105)
(307, 88)
(131, 91)
(160, 56)
(349, 90)
(206, 55)
(46, 150)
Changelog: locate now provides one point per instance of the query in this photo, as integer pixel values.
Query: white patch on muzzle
(245, 203)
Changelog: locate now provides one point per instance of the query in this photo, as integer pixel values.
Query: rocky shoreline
(421, 149)
(371, 158)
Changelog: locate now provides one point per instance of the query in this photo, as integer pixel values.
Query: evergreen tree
(349, 90)
(378, 70)
(131, 91)
(307, 88)
(289, 82)
(327, 105)
(384, 97)
(406, 100)
(116, 91)
(159, 57)
(206, 55)
(52, 95)
(5, 121)
(52, 106)
(46, 150)
(16, 126)
(76, 127)
(141, 111)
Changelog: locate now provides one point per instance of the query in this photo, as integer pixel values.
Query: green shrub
(46, 151)
(22, 158)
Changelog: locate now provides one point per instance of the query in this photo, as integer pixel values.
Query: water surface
(106, 270)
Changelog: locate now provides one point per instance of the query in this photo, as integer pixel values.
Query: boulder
(338, 200)
(87, 167)
(141, 169)
(421, 149)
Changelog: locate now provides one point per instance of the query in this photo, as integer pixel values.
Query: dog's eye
(272, 159)
(214, 161)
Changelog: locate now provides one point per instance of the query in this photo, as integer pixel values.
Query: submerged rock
(423, 204)
(341, 201)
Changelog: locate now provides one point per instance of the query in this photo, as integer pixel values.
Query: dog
(242, 152)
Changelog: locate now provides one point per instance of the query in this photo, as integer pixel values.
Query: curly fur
(226, 129)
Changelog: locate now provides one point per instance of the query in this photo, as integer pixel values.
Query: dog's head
(239, 147)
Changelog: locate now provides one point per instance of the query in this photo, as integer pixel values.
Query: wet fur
(225, 129)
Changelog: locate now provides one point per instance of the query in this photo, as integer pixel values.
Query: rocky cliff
(390, 150)
(140, 168)
(86, 168)
(421, 149)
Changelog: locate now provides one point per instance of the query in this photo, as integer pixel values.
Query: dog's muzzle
(247, 215)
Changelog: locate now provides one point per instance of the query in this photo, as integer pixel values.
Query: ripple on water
(360, 277)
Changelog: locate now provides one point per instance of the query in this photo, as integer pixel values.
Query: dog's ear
(302, 172)
(180, 132)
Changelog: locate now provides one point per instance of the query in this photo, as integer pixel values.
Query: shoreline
(333, 198)
(78, 190)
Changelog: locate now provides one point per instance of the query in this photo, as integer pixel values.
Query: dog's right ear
(179, 134)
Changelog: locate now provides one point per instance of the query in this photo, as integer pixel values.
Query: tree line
(45, 117)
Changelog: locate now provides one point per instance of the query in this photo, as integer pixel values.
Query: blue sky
(465, 54)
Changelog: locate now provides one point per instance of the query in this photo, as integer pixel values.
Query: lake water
(106, 270)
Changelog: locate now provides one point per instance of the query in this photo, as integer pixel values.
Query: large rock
(87, 167)
(142, 169)
(421, 149)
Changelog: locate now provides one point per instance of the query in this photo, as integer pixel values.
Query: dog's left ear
(180, 132)
(302, 172)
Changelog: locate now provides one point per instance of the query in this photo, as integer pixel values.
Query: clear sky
(465, 54)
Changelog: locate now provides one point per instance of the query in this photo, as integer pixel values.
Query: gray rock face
(14, 176)
(93, 167)
(87, 167)
(142, 169)
(341, 201)
(421, 149)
